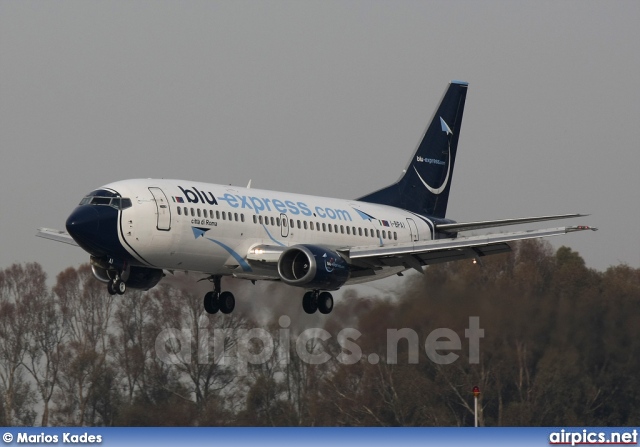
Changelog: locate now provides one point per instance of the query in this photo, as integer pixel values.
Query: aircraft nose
(84, 225)
(95, 229)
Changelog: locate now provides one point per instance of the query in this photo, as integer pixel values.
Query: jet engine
(313, 267)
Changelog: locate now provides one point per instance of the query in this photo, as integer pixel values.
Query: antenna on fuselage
(249, 184)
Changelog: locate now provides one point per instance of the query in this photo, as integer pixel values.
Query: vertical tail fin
(424, 186)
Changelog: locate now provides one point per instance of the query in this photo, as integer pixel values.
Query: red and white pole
(476, 393)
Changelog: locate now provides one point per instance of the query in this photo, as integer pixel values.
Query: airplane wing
(418, 254)
(366, 260)
(56, 235)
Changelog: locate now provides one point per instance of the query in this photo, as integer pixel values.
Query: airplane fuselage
(208, 228)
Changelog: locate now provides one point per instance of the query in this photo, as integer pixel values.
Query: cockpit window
(101, 200)
(102, 193)
(107, 198)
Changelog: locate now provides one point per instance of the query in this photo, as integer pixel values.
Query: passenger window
(359, 231)
(299, 226)
(235, 215)
(179, 212)
(224, 215)
(292, 223)
(366, 232)
(395, 236)
(378, 234)
(260, 220)
(311, 226)
(241, 217)
(193, 213)
(341, 229)
(304, 223)
(273, 222)
(198, 212)
(255, 219)
(329, 226)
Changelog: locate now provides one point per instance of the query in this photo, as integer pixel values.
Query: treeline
(561, 346)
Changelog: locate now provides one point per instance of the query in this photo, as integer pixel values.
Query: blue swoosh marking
(271, 237)
(364, 215)
(246, 267)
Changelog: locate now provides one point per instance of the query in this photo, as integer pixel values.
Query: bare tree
(86, 308)
(179, 307)
(20, 288)
(46, 339)
(133, 339)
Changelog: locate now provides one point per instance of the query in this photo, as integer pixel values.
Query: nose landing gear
(216, 301)
(118, 278)
(116, 286)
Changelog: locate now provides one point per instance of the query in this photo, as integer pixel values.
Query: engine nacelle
(100, 273)
(144, 278)
(139, 277)
(313, 267)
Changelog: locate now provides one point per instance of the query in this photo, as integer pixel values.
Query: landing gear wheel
(119, 286)
(227, 302)
(211, 303)
(110, 288)
(310, 302)
(325, 303)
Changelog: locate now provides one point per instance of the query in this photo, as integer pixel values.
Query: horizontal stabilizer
(56, 235)
(470, 226)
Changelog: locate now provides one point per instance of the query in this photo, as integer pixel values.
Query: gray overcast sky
(326, 98)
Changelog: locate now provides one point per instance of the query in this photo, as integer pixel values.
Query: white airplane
(134, 230)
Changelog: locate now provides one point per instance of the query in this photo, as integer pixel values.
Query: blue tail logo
(446, 129)
(425, 185)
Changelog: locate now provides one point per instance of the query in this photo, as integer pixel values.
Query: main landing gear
(216, 301)
(316, 300)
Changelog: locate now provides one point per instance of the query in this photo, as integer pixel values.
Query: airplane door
(164, 212)
(413, 228)
(284, 225)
